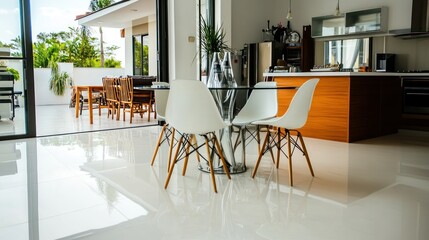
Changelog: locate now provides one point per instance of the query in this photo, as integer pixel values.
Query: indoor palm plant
(212, 40)
(213, 43)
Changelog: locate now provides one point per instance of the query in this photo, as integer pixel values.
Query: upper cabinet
(370, 21)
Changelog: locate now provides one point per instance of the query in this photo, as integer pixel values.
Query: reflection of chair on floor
(191, 98)
(294, 119)
(134, 102)
(8, 156)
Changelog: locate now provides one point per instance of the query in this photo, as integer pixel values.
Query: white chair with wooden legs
(161, 97)
(294, 119)
(261, 105)
(191, 110)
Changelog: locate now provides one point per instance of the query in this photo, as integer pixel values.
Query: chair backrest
(109, 86)
(191, 108)
(297, 113)
(262, 103)
(126, 89)
(161, 98)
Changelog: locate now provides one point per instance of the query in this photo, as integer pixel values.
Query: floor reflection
(100, 185)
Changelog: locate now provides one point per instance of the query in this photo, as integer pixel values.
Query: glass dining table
(225, 98)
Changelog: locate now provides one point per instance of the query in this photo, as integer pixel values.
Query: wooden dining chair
(110, 87)
(134, 102)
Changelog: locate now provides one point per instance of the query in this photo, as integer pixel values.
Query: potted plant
(212, 40)
(59, 80)
(14, 72)
(213, 43)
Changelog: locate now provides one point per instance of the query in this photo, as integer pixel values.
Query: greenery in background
(59, 80)
(138, 58)
(15, 46)
(76, 46)
(96, 5)
(14, 72)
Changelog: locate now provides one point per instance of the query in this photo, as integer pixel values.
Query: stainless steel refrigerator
(259, 58)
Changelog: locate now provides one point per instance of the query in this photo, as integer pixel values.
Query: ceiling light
(289, 13)
(337, 9)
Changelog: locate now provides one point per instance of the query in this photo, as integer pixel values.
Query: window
(351, 53)
(141, 55)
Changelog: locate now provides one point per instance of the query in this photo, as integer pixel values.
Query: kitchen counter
(342, 74)
(347, 106)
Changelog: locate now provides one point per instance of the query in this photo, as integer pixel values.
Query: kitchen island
(347, 106)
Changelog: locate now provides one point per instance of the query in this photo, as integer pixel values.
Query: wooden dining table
(90, 89)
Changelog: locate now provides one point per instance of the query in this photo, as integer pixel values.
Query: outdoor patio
(60, 119)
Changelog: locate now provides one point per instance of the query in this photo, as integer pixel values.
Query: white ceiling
(123, 14)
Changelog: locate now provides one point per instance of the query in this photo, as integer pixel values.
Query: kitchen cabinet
(370, 21)
(346, 107)
(302, 55)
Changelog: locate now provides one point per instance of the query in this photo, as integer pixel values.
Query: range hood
(419, 21)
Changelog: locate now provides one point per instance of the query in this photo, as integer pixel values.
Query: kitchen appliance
(259, 58)
(419, 21)
(415, 98)
(7, 108)
(385, 62)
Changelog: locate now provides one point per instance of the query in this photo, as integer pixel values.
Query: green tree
(96, 5)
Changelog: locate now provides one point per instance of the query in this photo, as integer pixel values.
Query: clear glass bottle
(228, 79)
(226, 95)
(215, 71)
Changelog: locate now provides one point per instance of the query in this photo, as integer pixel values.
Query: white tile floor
(100, 185)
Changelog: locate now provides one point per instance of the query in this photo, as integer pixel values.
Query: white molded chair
(161, 97)
(191, 110)
(294, 119)
(261, 105)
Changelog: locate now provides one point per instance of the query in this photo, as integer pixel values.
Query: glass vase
(215, 73)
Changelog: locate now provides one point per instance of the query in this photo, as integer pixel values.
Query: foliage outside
(76, 46)
(14, 72)
(59, 80)
(96, 5)
(138, 52)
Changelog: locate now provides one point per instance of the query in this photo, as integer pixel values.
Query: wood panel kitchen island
(347, 106)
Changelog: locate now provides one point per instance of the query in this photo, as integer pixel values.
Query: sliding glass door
(141, 54)
(17, 115)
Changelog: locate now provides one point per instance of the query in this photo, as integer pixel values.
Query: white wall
(182, 24)
(153, 43)
(129, 51)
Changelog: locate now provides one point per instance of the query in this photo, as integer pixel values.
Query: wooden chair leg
(158, 144)
(185, 162)
(170, 170)
(279, 145)
(131, 113)
(195, 143)
(222, 158)
(304, 148)
(170, 151)
(211, 166)
(260, 154)
(289, 157)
